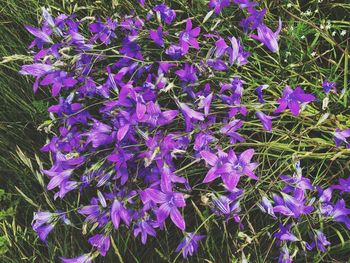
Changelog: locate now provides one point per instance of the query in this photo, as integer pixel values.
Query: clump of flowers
(128, 123)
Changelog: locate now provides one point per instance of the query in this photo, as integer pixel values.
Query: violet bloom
(292, 99)
(166, 13)
(188, 37)
(284, 234)
(157, 36)
(340, 213)
(37, 70)
(190, 115)
(291, 205)
(231, 128)
(319, 241)
(44, 222)
(174, 51)
(188, 73)
(343, 186)
(101, 242)
(217, 64)
(58, 80)
(85, 258)
(103, 31)
(229, 167)
(266, 207)
(266, 120)
(169, 204)
(340, 137)
(100, 134)
(154, 116)
(328, 85)
(259, 90)
(227, 206)
(267, 37)
(189, 245)
(118, 211)
(255, 19)
(42, 36)
(145, 228)
(217, 5)
(284, 256)
(243, 4)
(236, 52)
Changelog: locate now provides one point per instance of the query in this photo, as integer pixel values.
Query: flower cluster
(129, 122)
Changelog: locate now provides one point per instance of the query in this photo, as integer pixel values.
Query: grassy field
(314, 46)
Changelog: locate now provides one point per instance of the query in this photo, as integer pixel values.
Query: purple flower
(189, 245)
(284, 235)
(292, 99)
(174, 51)
(340, 136)
(217, 5)
(188, 73)
(340, 213)
(42, 35)
(267, 37)
(145, 228)
(265, 120)
(343, 186)
(166, 13)
(154, 116)
(320, 241)
(118, 211)
(255, 19)
(266, 206)
(328, 85)
(190, 115)
(291, 205)
(284, 256)
(227, 206)
(259, 90)
(169, 204)
(58, 80)
(85, 258)
(188, 37)
(245, 3)
(217, 64)
(100, 134)
(236, 52)
(229, 167)
(36, 69)
(101, 242)
(157, 36)
(230, 130)
(103, 31)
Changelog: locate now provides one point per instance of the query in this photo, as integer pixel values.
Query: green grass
(308, 55)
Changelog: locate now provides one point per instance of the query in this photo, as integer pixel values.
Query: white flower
(343, 32)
